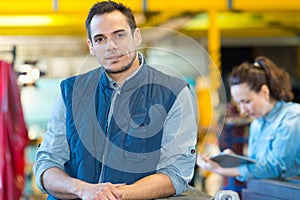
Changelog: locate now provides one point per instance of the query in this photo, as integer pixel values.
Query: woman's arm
(207, 164)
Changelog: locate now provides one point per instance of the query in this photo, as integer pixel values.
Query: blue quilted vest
(128, 148)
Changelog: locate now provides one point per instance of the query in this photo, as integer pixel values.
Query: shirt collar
(270, 117)
(115, 85)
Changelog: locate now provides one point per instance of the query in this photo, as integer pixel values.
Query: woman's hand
(228, 151)
(207, 164)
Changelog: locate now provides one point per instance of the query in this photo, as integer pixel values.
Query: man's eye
(120, 35)
(99, 40)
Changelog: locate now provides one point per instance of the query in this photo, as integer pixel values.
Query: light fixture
(28, 74)
(24, 20)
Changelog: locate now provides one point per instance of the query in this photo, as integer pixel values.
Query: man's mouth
(114, 58)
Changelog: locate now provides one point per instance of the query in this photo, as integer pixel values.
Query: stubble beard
(123, 69)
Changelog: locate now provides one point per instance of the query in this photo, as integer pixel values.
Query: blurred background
(46, 40)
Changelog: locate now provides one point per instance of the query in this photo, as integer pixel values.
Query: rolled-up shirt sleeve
(275, 147)
(54, 150)
(178, 154)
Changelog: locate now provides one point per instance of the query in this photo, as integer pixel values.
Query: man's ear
(92, 52)
(137, 37)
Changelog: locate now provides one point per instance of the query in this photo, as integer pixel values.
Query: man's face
(113, 42)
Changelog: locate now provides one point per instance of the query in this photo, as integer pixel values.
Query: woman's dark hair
(263, 72)
(103, 7)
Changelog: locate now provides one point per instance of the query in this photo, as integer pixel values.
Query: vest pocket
(135, 145)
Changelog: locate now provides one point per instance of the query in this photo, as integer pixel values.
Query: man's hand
(101, 191)
(61, 185)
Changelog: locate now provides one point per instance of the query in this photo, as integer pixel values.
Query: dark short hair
(108, 7)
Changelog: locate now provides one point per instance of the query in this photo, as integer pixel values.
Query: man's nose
(111, 44)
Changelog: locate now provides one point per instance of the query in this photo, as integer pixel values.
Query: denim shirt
(274, 144)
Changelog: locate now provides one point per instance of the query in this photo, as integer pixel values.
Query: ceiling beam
(68, 17)
(266, 5)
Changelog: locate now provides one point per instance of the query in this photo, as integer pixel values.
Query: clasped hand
(101, 191)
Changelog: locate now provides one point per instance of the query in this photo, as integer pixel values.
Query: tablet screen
(231, 160)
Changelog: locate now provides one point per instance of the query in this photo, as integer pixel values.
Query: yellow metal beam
(82, 6)
(26, 6)
(186, 6)
(250, 24)
(42, 24)
(266, 5)
(214, 44)
(71, 14)
(44, 31)
(45, 6)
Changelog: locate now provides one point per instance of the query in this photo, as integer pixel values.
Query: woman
(263, 92)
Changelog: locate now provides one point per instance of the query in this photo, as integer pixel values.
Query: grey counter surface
(191, 194)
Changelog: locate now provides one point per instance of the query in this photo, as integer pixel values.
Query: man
(123, 130)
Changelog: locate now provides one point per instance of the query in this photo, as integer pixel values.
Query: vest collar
(131, 82)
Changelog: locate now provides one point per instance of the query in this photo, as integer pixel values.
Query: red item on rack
(13, 136)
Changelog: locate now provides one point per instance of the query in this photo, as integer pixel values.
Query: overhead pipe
(145, 5)
(55, 5)
(229, 4)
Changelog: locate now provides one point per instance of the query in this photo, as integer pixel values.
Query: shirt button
(193, 151)
(115, 85)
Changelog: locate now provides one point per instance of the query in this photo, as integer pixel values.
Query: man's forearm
(59, 184)
(150, 187)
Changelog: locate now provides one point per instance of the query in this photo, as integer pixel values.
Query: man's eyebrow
(116, 31)
(98, 35)
(120, 30)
